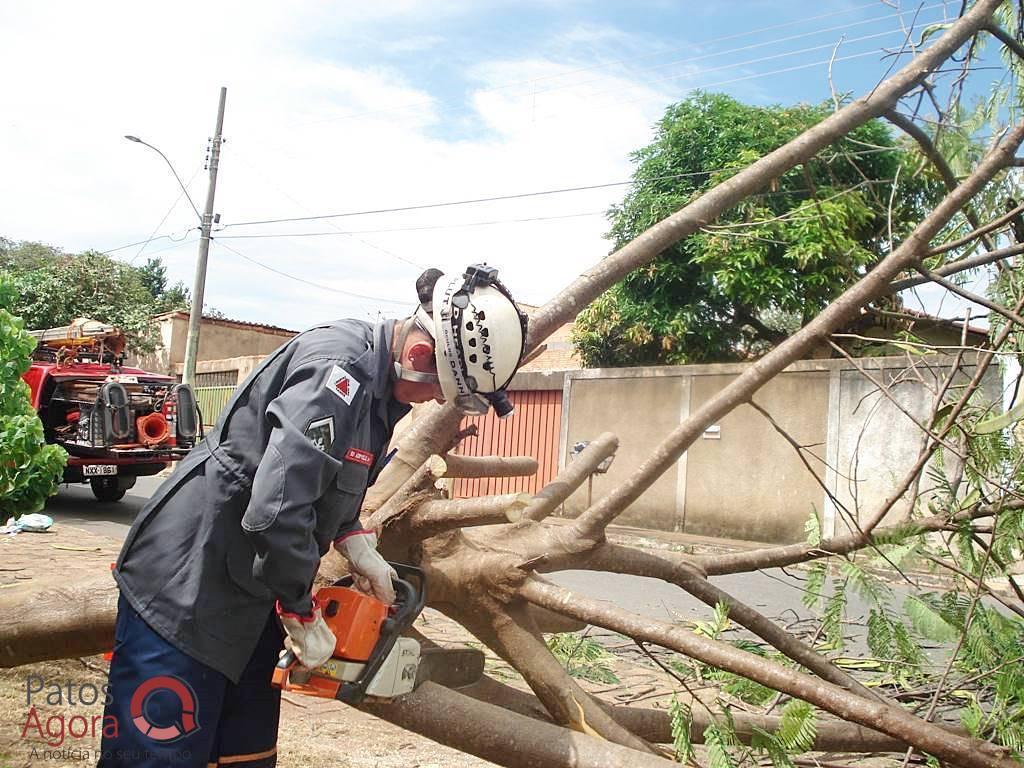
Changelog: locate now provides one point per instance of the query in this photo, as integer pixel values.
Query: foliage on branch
(582, 657)
(30, 470)
(766, 266)
(52, 288)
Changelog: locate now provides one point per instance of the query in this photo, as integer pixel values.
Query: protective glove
(371, 573)
(309, 636)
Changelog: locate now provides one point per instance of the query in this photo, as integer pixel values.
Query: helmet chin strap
(408, 374)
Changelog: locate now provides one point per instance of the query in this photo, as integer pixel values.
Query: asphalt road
(75, 505)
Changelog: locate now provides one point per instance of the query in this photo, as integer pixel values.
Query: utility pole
(195, 317)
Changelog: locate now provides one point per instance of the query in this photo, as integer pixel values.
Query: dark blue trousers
(172, 710)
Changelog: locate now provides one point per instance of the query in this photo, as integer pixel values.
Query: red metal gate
(532, 431)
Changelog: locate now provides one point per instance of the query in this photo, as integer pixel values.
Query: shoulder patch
(343, 384)
(321, 433)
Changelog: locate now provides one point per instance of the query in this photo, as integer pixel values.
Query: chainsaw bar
(450, 667)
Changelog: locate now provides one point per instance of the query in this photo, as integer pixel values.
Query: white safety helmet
(479, 338)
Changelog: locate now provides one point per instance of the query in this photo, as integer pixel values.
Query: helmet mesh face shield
(479, 340)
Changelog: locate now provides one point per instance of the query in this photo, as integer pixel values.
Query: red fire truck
(116, 423)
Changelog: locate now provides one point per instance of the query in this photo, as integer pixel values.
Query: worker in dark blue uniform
(218, 567)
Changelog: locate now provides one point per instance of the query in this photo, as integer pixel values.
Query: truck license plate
(99, 470)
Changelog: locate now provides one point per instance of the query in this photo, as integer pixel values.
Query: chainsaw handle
(288, 660)
(415, 596)
(288, 670)
(409, 599)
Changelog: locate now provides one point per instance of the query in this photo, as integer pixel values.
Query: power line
(430, 227)
(784, 54)
(446, 204)
(753, 76)
(178, 244)
(183, 193)
(723, 82)
(676, 76)
(414, 229)
(714, 54)
(149, 240)
(277, 187)
(858, 153)
(513, 196)
(466, 224)
(297, 279)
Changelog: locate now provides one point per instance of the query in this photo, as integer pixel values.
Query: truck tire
(108, 489)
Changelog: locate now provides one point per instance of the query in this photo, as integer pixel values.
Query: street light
(205, 227)
(137, 140)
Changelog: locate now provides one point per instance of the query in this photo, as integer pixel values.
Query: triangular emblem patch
(343, 384)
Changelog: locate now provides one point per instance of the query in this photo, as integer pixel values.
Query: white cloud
(309, 131)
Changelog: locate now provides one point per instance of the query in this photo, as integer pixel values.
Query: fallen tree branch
(1005, 38)
(514, 638)
(489, 466)
(572, 477)
(432, 469)
(1006, 218)
(655, 725)
(952, 267)
(930, 151)
(791, 554)
(58, 623)
(434, 431)
(973, 297)
(501, 736)
(433, 517)
(620, 559)
(979, 584)
(969, 752)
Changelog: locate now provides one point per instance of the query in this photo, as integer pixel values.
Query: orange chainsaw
(371, 658)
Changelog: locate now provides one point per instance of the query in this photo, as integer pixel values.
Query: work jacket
(246, 516)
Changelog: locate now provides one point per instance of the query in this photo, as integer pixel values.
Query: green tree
(766, 266)
(52, 288)
(154, 276)
(30, 470)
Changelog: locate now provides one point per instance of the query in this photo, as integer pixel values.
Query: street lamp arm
(137, 140)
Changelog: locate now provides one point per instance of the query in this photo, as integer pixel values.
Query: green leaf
(813, 529)
(1001, 422)
(798, 726)
(831, 620)
(717, 743)
(582, 657)
(867, 586)
(928, 622)
(681, 718)
(971, 499)
(814, 588)
(30, 470)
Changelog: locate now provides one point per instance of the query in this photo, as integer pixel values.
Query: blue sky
(343, 107)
